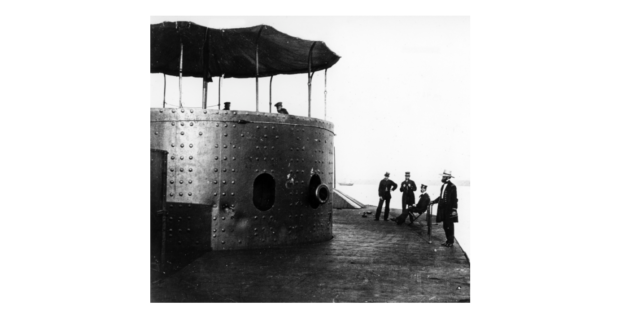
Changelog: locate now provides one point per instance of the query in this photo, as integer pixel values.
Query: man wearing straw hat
(448, 204)
(385, 187)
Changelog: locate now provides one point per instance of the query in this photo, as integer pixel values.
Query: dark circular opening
(314, 183)
(264, 193)
(322, 193)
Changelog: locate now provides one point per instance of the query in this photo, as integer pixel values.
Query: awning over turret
(232, 52)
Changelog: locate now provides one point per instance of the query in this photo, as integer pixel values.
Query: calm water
(367, 194)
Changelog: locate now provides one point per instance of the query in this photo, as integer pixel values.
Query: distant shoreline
(464, 183)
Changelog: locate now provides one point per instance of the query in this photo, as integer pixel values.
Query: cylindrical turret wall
(253, 179)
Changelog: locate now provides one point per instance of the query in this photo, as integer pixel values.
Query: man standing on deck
(385, 187)
(448, 204)
(280, 109)
(408, 188)
(419, 208)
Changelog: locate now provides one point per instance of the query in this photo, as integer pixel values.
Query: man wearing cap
(407, 187)
(226, 105)
(280, 109)
(447, 209)
(419, 208)
(385, 187)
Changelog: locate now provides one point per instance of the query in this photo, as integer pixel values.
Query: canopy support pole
(219, 92)
(206, 76)
(325, 94)
(205, 89)
(310, 74)
(270, 80)
(164, 103)
(257, 38)
(181, 77)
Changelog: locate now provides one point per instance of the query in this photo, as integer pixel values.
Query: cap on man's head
(387, 174)
(278, 104)
(423, 186)
(407, 174)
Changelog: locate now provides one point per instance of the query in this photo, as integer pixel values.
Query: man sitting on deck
(280, 109)
(415, 208)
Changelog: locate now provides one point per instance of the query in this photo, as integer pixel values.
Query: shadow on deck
(366, 261)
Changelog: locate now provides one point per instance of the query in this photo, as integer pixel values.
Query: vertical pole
(206, 75)
(270, 80)
(219, 92)
(334, 167)
(205, 87)
(310, 73)
(309, 92)
(257, 38)
(181, 77)
(325, 94)
(164, 103)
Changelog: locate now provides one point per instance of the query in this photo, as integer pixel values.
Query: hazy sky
(399, 96)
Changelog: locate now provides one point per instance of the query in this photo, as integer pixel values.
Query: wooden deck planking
(366, 261)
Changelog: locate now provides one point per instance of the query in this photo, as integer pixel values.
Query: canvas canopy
(232, 52)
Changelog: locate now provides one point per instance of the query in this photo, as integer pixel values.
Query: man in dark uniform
(385, 186)
(419, 208)
(407, 187)
(280, 109)
(447, 209)
(226, 105)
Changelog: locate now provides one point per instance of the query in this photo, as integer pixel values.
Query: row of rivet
(182, 170)
(181, 181)
(224, 170)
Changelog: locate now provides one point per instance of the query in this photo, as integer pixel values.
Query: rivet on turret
(233, 182)
(224, 169)
(171, 182)
(200, 133)
(215, 169)
(190, 194)
(214, 181)
(233, 158)
(182, 145)
(174, 111)
(171, 169)
(172, 157)
(224, 181)
(182, 124)
(223, 194)
(182, 110)
(182, 133)
(172, 145)
(156, 133)
(190, 181)
(217, 125)
(191, 157)
(232, 193)
(256, 170)
(171, 194)
(181, 194)
(214, 193)
(233, 170)
(191, 124)
(225, 135)
(241, 135)
(181, 182)
(161, 110)
(225, 146)
(225, 125)
(225, 157)
(223, 218)
(182, 158)
(216, 157)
